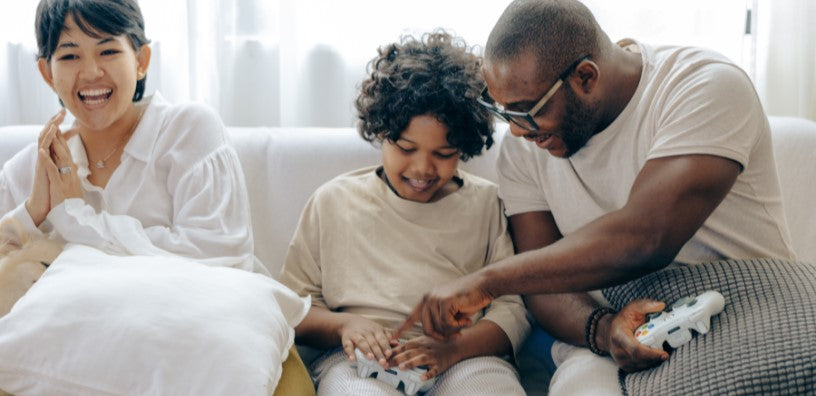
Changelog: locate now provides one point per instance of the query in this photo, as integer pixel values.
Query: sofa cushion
(761, 343)
(283, 166)
(295, 378)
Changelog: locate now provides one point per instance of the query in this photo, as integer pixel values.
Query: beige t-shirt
(362, 249)
(688, 101)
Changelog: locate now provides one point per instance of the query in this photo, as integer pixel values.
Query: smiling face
(95, 77)
(565, 123)
(421, 162)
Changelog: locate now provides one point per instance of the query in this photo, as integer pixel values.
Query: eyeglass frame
(529, 116)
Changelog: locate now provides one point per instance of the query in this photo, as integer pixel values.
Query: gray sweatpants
(485, 375)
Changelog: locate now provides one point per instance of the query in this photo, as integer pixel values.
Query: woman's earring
(140, 75)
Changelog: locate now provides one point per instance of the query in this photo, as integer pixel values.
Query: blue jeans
(539, 346)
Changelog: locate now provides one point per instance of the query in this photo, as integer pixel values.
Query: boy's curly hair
(438, 76)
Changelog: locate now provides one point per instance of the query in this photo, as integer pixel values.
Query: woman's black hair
(439, 76)
(114, 17)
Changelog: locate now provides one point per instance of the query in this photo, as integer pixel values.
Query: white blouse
(179, 189)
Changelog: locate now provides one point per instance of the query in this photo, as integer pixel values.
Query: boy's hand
(368, 336)
(438, 356)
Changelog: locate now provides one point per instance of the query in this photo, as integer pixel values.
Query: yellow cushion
(295, 379)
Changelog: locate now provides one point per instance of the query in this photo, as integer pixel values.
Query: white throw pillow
(101, 324)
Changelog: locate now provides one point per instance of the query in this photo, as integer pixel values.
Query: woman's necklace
(101, 163)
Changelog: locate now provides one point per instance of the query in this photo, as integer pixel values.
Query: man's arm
(669, 201)
(562, 315)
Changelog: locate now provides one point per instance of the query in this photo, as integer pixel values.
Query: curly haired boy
(371, 241)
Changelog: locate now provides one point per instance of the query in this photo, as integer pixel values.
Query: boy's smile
(421, 162)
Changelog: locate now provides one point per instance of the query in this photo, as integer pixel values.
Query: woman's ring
(65, 170)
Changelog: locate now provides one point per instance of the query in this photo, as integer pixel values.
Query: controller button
(645, 332)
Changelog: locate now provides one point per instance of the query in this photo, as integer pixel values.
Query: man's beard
(579, 124)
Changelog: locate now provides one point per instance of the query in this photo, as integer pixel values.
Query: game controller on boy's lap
(410, 379)
(674, 325)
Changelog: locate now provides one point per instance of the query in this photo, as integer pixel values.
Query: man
(633, 157)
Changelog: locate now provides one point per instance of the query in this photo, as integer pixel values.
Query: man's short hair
(557, 32)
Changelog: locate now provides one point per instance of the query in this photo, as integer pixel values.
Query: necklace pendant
(100, 164)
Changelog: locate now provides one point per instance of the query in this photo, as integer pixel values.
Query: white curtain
(299, 63)
(290, 63)
(786, 56)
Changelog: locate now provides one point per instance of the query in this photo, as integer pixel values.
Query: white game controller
(410, 379)
(674, 325)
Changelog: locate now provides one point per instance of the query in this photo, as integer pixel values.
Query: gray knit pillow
(764, 341)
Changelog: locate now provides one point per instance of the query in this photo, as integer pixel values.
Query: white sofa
(284, 165)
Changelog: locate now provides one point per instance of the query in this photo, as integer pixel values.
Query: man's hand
(629, 354)
(447, 309)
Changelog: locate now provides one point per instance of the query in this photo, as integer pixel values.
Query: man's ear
(45, 71)
(12, 236)
(142, 61)
(585, 76)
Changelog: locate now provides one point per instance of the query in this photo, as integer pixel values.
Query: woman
(131, 175)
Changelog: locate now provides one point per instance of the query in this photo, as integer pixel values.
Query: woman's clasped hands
(55, 177)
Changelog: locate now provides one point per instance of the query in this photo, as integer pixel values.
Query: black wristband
(592, 328)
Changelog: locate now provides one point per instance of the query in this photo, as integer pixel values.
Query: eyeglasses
(522, 119)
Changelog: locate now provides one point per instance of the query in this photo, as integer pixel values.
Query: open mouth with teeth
(420, 185)
(94, 96)
(538, 138)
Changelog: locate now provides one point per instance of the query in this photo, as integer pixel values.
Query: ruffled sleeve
(211, 221)
(186, 194)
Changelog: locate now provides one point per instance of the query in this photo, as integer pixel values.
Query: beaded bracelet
(592, 328)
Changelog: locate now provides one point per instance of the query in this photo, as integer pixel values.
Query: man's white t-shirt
(688, 101)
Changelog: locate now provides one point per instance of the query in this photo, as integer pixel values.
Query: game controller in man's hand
(410, 379)
(674, 325)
